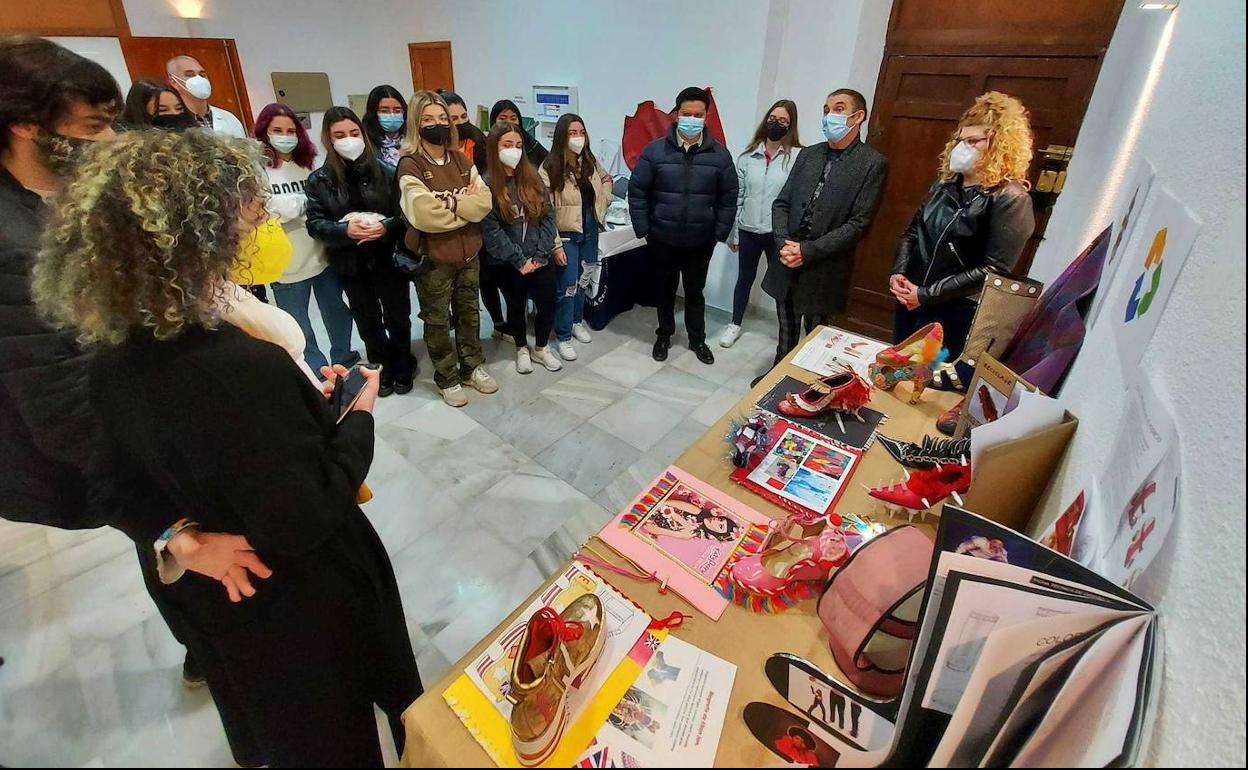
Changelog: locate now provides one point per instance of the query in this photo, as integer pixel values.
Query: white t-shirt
(225, 122)
(287, 202)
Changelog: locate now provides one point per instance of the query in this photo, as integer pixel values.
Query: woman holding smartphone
(205, 419)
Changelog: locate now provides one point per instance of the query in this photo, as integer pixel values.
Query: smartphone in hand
(347, 391)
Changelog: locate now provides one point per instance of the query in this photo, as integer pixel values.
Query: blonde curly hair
(1009, 140)
(146, 234)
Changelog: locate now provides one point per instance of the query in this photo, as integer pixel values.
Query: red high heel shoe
(842, 391)
(924, 489)
(913, 359)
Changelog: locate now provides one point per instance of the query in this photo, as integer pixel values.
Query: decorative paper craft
(477, 696)
(673, 714)
(833, 348)
(802, 470)
(687, 533)
(857, 434)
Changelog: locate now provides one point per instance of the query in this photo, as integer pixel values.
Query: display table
(436, 737)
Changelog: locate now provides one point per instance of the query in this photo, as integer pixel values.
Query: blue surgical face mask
(689, 127)
(836, 126)
(389, 122)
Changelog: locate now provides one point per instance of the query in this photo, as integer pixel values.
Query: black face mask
(775, 130)
(174, 121)
(437, 135)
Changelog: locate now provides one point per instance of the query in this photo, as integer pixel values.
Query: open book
(1023, 658)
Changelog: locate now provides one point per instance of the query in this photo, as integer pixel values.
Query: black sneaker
(403, 387)
(661, 346)
(703, 353)
(386, 388)
(192, 675)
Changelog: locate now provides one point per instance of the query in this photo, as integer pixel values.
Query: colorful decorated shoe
(842, 391)
(930, 453)
(913, 359)
(797, 553)
(555, 653)
(947, 422)
(924, 489)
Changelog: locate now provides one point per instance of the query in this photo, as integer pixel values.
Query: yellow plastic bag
(263, 256)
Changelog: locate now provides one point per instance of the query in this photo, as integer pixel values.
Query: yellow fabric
(263, 256)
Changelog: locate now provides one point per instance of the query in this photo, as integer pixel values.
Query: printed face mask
(61, 153)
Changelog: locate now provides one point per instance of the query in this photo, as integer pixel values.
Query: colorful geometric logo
(1139, 304)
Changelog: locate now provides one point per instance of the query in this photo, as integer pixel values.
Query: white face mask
(349, 147)
(962, 158)
(510, 156)
(198, 86)
(576, 144)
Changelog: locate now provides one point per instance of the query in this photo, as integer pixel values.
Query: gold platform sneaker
(556, 653)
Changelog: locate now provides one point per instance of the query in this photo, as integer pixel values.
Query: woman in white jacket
(290, 152)
(762, 171)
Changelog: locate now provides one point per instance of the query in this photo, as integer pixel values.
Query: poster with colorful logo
(1150, 269)
(1130, 206)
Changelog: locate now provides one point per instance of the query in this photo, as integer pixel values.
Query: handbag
(866, 608)
(405, 261)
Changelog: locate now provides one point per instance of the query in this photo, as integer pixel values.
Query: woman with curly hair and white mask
(977, 217)
(207, 419)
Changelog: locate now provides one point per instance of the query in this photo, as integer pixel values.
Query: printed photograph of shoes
(918, 492)
(555, 653)
(913, 360)
(788, 736)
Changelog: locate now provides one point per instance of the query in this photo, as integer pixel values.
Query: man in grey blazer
(819, 217)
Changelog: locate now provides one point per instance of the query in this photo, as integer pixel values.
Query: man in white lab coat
(187, 75)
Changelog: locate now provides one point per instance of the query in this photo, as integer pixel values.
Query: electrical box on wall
(549, 103)
(303, 91)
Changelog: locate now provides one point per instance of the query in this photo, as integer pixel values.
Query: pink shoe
(798, 553)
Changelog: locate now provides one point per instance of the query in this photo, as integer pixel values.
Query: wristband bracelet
(179, 526)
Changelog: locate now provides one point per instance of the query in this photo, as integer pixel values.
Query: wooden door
(146, 58)
(937, 60)
(432, 67)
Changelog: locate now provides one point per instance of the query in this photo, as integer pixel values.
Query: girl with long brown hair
(762, 171)
(582, 191)
(520, 232)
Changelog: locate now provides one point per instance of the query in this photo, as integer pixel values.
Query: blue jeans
(582, 249)
(293, 298)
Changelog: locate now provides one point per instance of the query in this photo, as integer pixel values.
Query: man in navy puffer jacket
(683, 198)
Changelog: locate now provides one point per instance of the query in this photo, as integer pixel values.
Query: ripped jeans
(572, 279)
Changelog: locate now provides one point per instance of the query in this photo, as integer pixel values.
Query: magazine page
(805, 469)
(673, 714)
(1088, 722)
(833, 348)
(1006, 655)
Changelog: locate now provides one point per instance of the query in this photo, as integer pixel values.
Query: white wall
(1190, 125)
(102, 50)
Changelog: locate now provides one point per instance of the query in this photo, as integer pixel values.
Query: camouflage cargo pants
(444, 290)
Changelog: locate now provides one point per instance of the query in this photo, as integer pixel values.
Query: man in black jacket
(683, 198)
(819, 217)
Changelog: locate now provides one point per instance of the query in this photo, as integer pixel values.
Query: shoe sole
(556, 368)
(194, 684)
(537, 752)
(490, 391)
(568, 358)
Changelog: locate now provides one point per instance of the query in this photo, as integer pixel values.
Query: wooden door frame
(411, 47)
(121, 28)
(235, 70)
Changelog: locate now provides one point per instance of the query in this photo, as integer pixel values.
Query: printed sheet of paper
(805, 470)
(833, 348)
(1125, 219)
(672, 716)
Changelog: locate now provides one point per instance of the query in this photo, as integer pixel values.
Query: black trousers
(955, 316)
(750, 248)
(518, 289)
(674, 265)
(791, 324)
(381, 305)
(493, 276)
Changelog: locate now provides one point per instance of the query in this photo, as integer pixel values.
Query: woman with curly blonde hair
(207, 420)
(976, 218)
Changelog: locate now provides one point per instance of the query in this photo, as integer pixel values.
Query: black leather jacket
(959, 234)
(329, 200)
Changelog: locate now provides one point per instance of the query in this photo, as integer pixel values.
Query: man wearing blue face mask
(818, 219)
(683, 198)
(190, 80)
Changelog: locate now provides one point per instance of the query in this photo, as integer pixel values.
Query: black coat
(820, 286)
(683, 198)
(329, 200)
(226, 428)
(959, 234)
(46, 425)
(516, 243)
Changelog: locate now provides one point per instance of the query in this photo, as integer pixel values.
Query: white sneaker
(455, 396)
(731, 334)
(566, 351)
(581, 332)
(524, 362)
(547, 359)
(482, 381)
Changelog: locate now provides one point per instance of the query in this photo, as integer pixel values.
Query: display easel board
(1011, 478)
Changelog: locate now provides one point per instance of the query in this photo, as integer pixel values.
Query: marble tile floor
(476, 506)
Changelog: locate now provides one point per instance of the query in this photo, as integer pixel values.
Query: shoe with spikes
(917, 493)
(928, 454)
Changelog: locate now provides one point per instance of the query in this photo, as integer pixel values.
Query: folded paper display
(687, 534)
